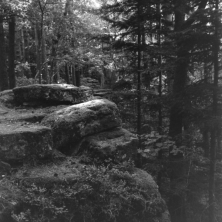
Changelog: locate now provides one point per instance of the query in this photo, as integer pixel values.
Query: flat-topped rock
(27, 114)
(71, 124)
(117, 143)
(19, 142)
(51, 94)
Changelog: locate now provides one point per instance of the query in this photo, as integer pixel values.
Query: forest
(159, 61)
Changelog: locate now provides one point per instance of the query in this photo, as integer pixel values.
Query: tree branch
(191, 20)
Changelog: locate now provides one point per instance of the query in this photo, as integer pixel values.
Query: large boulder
(118, 143)
(19, 142)
(11, 112)
(51, 94)
(71, 124)
(87, 193)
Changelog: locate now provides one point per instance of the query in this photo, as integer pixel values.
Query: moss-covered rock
(71, 124)
(19, 142)
(116, 143)
(71, 191)
(51, 94)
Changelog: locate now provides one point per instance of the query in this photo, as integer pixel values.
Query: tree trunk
(57, 74)
(52, 76)
(38, 55)
(219, 153)
(212, 177)
(67, 73)
(68, 8)
(102, 80)
(159, 65)
(3, 68)
(176, 116)
(22, 45)
(44, 58)
(215, 127)
(160, 152)
(139, 39)
(11, 57)
(180, 74)
(206, 142)
(73, 75)
(177, 164)
(146, 75)
(176, 200)
(77, 77)
(139, 75)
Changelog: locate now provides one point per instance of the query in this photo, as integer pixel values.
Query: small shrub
(23, 81)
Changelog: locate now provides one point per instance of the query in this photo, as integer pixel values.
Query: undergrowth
(96, 194)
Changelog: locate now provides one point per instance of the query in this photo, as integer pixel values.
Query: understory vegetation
(92, 194)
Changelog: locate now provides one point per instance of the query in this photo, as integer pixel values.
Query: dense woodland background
(162, 61)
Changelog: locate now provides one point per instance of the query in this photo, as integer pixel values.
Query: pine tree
(215, 127)
(128, 17)
(134, 20)
(186, 28)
